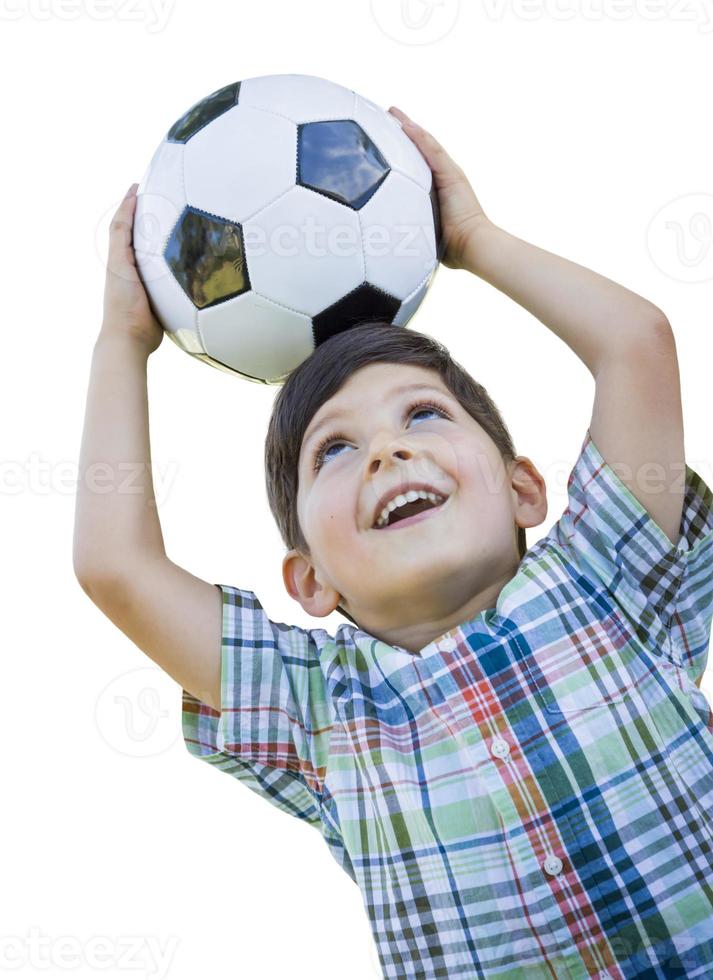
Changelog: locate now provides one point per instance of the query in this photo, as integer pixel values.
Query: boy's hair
(323, 373)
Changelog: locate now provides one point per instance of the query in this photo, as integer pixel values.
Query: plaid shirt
(531, 794)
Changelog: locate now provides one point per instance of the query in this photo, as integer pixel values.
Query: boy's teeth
(402, 499)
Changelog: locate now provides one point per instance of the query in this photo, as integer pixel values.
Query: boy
(506, 749)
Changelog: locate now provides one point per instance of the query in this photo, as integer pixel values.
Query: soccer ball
(277, 212)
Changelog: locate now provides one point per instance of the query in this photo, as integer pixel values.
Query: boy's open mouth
(411, 513)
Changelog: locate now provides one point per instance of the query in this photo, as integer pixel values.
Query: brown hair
(322, 374)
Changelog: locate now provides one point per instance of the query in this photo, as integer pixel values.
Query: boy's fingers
(125, 210)
(437, 158)
(120, 229)
(399, 114)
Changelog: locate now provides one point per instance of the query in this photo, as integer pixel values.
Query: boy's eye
(426, 410)
(331, 441)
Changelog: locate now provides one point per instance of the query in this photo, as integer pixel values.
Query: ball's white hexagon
(412, 302)
(172, 308)
(304, 251)
(398, 235)
(301, 98)
(165, 172)
(160, 200)
(188, 340)
(255, 336)
(240, 162)
(149, 169)
(400, 152)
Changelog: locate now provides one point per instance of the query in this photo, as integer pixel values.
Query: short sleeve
(665, 589)
(273, 730)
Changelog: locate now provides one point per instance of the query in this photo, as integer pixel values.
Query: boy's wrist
(476, 244)
(122, 340)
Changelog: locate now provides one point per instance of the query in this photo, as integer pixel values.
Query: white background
(576, 123)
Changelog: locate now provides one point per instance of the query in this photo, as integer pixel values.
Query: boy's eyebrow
(416, 386)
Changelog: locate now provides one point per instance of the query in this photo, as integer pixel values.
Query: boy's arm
(118, 551)
(119, 558)
(628, 346)
(624, 340)
(595, 317)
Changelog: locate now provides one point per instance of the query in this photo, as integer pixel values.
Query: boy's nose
(396, 448)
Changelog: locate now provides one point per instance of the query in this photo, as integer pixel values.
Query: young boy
(506, 748)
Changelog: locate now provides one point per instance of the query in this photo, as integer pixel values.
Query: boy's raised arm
(116, 521)
(625, 341)
(118, 551)
(596, 317)
(629, 347)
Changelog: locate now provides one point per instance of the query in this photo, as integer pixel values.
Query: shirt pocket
(585, 667)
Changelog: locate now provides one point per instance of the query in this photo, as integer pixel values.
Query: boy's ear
(529, 492)
(301, 581)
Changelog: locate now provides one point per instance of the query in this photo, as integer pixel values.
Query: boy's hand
(460, 209)
(126, 306)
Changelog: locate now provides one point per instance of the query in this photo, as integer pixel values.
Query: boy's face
(404, 583)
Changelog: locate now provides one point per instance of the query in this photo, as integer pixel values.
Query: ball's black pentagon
(203, 112)
(207, 256)
(339, 160)
(364, 303)
(440, 241)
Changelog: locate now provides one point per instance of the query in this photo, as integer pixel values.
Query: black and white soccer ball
(277, 212)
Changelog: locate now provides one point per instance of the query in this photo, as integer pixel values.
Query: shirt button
(448, 643)
(552, 864)
(500, 748)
